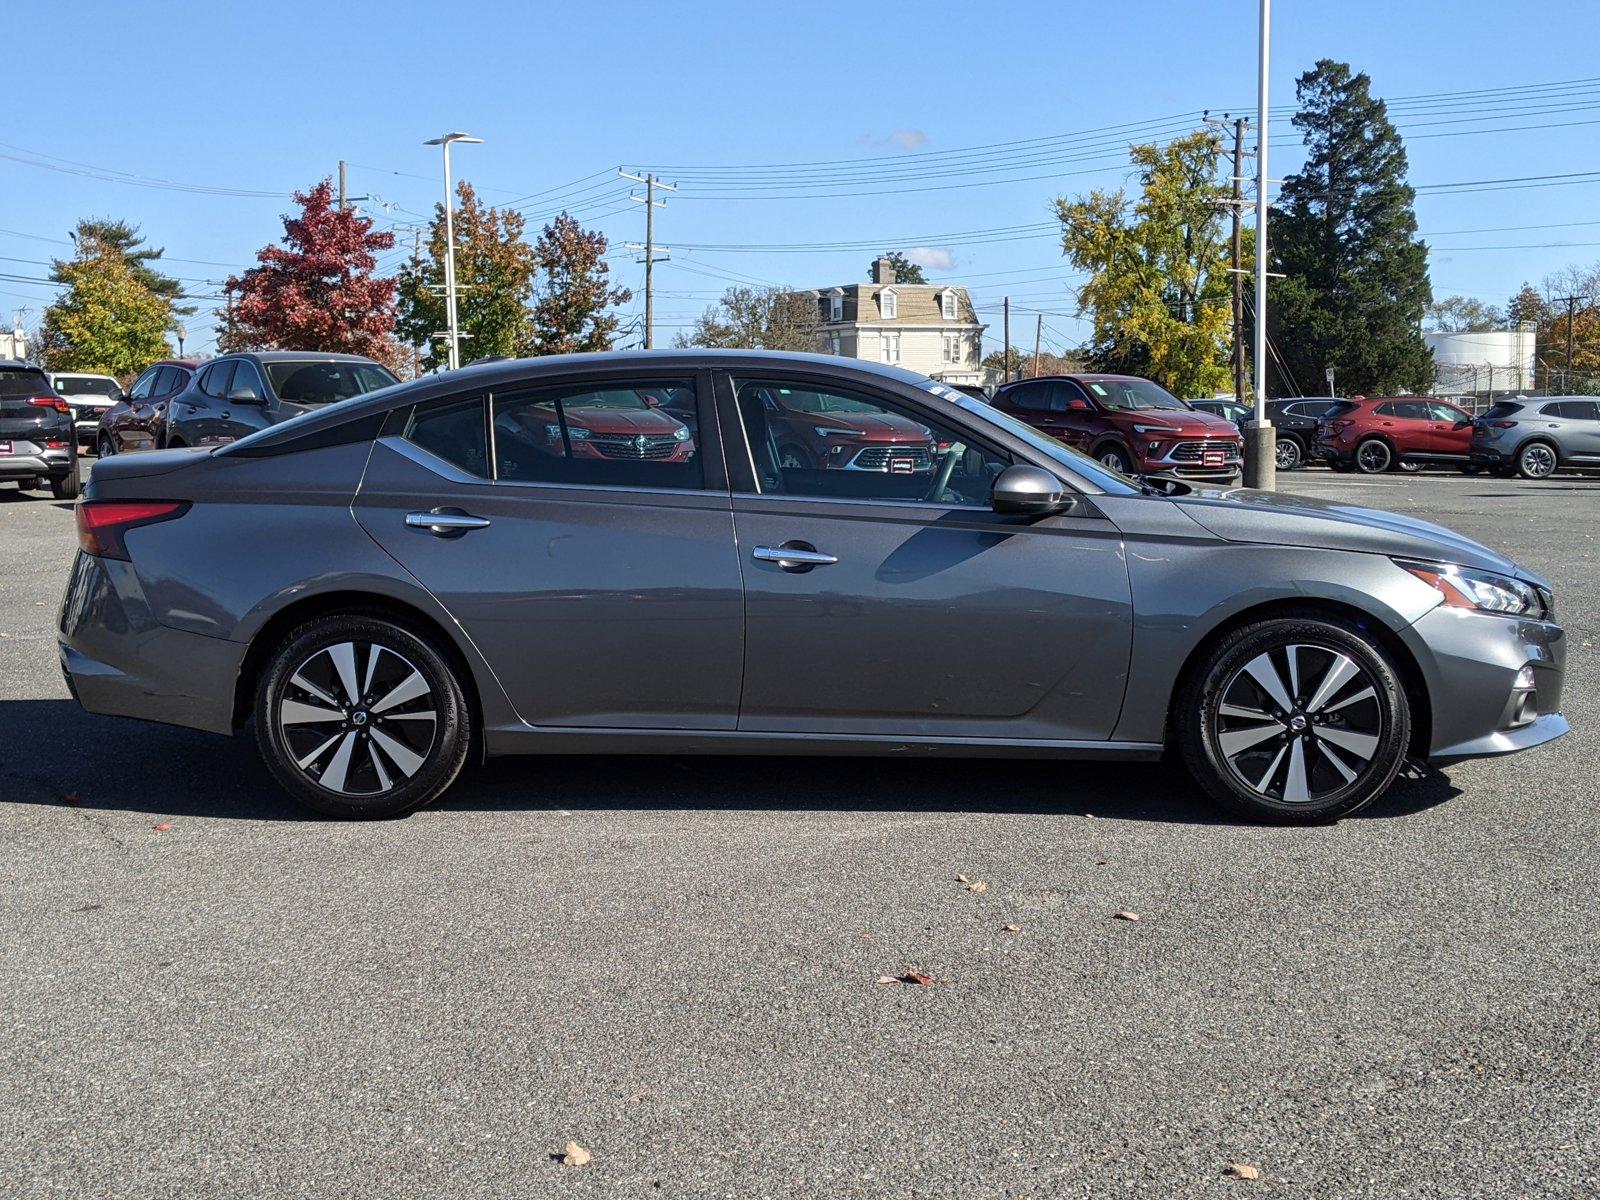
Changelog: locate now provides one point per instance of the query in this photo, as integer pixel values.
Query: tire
(1340, 466)
(1537, 460)
(1289, 454)
(1373, 457)
(105, 448)
(344, 775)
(1318, 758)
(66, 488)
(1471, 469)
(1116, 458)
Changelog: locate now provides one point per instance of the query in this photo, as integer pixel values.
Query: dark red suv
(818, 430)
(1372, 434)
(1130, 424)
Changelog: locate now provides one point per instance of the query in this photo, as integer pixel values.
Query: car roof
(17, 364)
(297, 356)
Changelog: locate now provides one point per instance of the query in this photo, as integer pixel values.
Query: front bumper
(1472, 662)
(120, 661)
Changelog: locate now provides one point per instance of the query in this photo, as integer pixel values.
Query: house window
(889, 305)
(835, 308)
(835, 343)
(891, 347)
(947, 305)
(952, 347)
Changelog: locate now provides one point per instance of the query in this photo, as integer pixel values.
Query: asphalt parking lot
(673, 962)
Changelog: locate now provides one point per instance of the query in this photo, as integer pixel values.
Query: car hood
(1246, 515)
(1185, 424)
(881, 427)
(623, 420)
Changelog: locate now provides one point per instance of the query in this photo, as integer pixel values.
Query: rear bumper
(51, 464)
(119, 661)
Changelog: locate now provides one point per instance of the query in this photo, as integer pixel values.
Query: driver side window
(807, 440)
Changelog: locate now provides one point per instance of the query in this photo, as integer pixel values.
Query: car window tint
(165, 382)
(1446, 412)
(218, 379)
(1502, 408)
(24, 381)
(245, 375)
(1034, 397)
(1574, 410)
(454, 432)
(811, 441)
(608, 434)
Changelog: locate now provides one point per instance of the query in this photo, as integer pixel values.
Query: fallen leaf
(890, 979)
(979, 887)
(70, 798)
(1127, 916)
(4, 634)
(576, 1155)
(918, 978)
(1099, 862)
(866, 936)
(1011, 929)
(163, 827)
(1242, 1171)
(962, 879)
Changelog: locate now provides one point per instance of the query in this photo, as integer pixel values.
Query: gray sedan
(609, 554)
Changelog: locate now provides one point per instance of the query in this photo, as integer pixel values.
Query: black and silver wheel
(1116, 458)
(105, 449)
(358, 716)
(1373, 457)
(1289, 454)
(1296, 720)
(1536, 460)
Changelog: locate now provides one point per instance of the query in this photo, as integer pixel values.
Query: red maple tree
(316, 291)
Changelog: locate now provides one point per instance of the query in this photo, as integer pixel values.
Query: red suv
(819, 430)
(1131, 425)
(1372, 434)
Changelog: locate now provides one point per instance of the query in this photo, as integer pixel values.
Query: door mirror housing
(245, 395)
(1077, 404)
(1028, 490)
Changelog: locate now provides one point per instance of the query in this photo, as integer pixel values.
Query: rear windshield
(1339, 409)
(1501, 408)
(311, 382)
(24, 381)
(87, 385)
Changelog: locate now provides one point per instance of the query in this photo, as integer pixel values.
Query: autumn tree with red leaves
(569, 310)
(318, 290)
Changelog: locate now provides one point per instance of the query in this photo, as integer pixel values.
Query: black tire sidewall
(1355, 459)
(1196, 732)
(1522, 454)
(452, 731)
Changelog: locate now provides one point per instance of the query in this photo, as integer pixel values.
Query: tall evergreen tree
(107, 319)
(1345, 237)
(905, 271)
(127, 241)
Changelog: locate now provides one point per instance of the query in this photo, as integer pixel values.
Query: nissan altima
(387, 587)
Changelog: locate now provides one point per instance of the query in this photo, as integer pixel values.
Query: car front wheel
(1536, 461)
(1295, 720)
(1117, 459)
(360, 716)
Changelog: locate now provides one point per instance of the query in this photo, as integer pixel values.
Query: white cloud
(901, 139)
(933, 258)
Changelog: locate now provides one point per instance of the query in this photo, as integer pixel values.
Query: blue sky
(910, 122)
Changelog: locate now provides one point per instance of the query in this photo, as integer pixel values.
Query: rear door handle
(446, 522)
(793, 556)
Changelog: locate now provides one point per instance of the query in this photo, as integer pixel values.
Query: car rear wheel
(1295, 720)
(66, 487)
(1289, 454)
(359, 716)
(1116, 458)
(1536, 460)
(1373, 457)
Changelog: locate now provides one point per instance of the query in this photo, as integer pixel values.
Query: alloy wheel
(1116, 460)
(1288, 454)
(358, 718)
(1373, 456)
(1299, 723)
(1537, 461)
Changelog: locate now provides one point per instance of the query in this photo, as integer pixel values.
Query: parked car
(1385, 433)
(90, 396)
(1131, 425)
(138, 420)
(37, 444)
(413, 593)
(1533, 438)
(819, 430)
(1294, 423)
(1228, 410)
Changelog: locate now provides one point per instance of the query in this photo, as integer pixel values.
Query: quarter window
(624, 434)
(217, 379)
(811, 441)
(453, 432)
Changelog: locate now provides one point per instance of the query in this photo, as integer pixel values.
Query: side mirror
(1031, 491)
(653, 401)
(244, 395)
(1077, 404)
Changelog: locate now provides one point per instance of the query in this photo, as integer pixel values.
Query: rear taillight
(55, 402)
(1502, 424)
(103, 523)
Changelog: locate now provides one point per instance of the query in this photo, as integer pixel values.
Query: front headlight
(681, 433)
(1153, 429)
(1480, 591)
(827, 431)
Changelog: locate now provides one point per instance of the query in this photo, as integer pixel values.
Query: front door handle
(798, 557)
(446, 522)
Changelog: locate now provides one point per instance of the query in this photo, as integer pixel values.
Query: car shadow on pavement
(108, 763)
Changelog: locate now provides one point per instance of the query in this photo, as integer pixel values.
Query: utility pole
(1007, 378)
(1572, 311)
(1261, 443)
(1236, 203)
(345, 199)
(651, 183)
(453, 330)
(1038, 336)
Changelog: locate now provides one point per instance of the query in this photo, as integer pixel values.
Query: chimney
(882, 271)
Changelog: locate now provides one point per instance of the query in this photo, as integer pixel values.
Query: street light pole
(1261, 461)
(452, 331)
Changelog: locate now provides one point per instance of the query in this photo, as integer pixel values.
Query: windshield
(1133, 395)
(87, 385)
(1080, 464)
(325, 382)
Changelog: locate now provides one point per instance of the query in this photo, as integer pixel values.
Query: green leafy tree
(495, 269)
(754, 318)
(1345, 237)
(1158, 268)
(905, 271)
(108, 320)
(1463, 314)
(570, 308)
(130, 242)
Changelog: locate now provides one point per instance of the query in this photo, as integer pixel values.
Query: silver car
(609, 554)
(1535, 437)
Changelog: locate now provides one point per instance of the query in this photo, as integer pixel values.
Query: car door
(595, 572)
(1449, 430)
(196, 416)
(1579, 432)
(139, 428)
(897, 605)
(246, 406)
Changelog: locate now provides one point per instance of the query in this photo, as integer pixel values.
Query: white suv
(89, 395)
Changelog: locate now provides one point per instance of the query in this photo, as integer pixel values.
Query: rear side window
(455, 432)
(1573, 410)
(217, 379)
(24, 382)
(1502, 408)
(1342, 409)
(621, 434)
(1032, 397)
